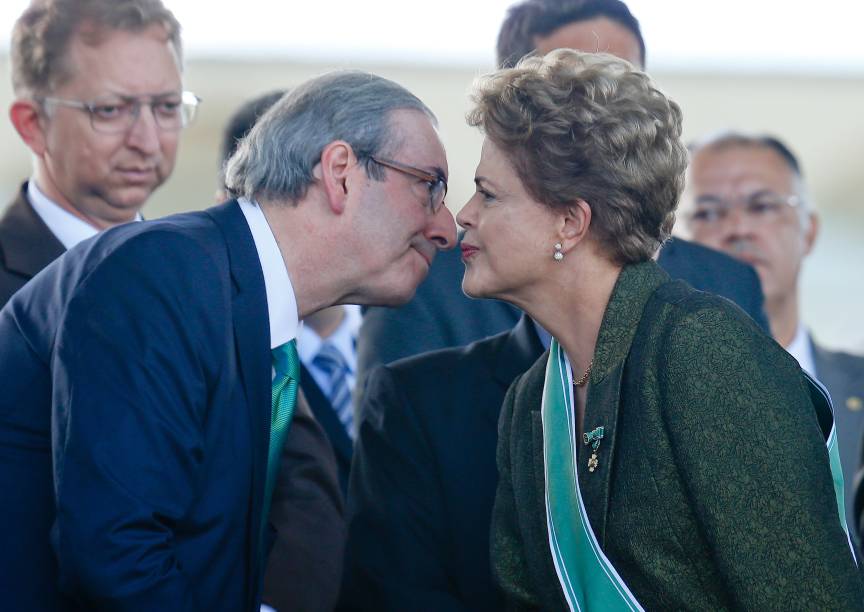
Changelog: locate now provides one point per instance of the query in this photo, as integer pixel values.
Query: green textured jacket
(713, 490)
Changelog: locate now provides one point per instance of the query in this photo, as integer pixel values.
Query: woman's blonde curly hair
(585, 126)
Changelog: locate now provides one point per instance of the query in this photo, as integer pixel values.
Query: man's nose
(441, 229)
(144, 132)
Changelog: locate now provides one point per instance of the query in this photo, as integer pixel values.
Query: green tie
(286, 363)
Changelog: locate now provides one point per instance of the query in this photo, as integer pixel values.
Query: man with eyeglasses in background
(99, 101)
(746, 195)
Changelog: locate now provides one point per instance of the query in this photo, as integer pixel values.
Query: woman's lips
(468, 251)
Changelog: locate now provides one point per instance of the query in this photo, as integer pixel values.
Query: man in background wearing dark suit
(88, 176)
(327, 338)
(747, 196)
(424, 476)
(157, 361)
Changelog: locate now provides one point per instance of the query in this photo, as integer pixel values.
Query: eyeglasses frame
(431, 178)
(187, 99)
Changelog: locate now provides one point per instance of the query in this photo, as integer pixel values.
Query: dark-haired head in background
(540, 26)
(238, 127)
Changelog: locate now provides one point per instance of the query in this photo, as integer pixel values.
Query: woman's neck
(571, 307)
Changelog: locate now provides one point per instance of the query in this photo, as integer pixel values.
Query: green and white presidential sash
(834, 458)
(589, 580)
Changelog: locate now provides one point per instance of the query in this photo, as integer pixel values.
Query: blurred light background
(793, 69)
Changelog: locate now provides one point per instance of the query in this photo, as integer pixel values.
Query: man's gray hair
(276, 159)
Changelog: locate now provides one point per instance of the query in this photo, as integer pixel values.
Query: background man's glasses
(113, 115)
(436, 183)
(759, 207)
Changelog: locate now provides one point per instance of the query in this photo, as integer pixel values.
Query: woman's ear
(575, 221)
(337, 161)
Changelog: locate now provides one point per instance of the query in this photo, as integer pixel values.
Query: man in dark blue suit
(424, 475)
(333, 328)
(137, 368)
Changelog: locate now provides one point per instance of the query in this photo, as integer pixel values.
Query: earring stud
(558, 255)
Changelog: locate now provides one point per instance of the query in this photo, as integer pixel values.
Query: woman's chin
(473, 289)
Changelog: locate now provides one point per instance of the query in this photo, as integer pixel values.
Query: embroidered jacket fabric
(713, 489)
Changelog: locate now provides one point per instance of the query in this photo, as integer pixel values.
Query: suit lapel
(634, 287)
(252, 339)
(518, 352)
(28, 245)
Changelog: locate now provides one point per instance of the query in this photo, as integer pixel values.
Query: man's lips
(136, 175)
(425, 255)
(468, 251)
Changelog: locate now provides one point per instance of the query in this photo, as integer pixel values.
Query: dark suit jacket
(26, 245)
(305, 565)
(432, 421)
(141, 359)
(843, 376)
(713, 490)
(343, 446)
(423, 480)
(440, 315)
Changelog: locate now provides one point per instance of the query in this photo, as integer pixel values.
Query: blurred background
(767, 65)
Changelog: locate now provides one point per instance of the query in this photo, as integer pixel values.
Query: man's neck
(50, 190)
(783, 318)
(326, 322)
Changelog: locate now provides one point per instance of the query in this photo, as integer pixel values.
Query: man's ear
(811, 230)
(337, 161)
(574, 224)
(30, 124)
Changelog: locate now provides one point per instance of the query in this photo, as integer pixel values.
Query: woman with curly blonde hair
(665, 453)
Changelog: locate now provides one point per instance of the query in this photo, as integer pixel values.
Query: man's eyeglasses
(759, 207)
(436, 183)
(112, 115)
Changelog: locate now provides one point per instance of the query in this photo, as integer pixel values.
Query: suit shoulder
(850, 361)
(721, 263)
(691, 321)
(448, 362)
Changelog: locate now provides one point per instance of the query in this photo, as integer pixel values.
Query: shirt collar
(281, 301)
(344, 339)
(802, 350)
(69, 229)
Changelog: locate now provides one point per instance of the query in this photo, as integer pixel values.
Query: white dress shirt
(69, 229)
(802, 350)
(281, 301)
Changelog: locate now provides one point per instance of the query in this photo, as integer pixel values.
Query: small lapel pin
(593, 438)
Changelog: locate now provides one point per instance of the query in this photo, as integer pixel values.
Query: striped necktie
(286, 364)
(331, 362)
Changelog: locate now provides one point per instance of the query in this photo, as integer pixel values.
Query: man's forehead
(597, 35)
(415, 135)
(115, 50)
(735, 167)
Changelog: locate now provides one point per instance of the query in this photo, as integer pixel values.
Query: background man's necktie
(286, 364)
(330, 361)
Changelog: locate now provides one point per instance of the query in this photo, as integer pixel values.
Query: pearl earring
(558, 256)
